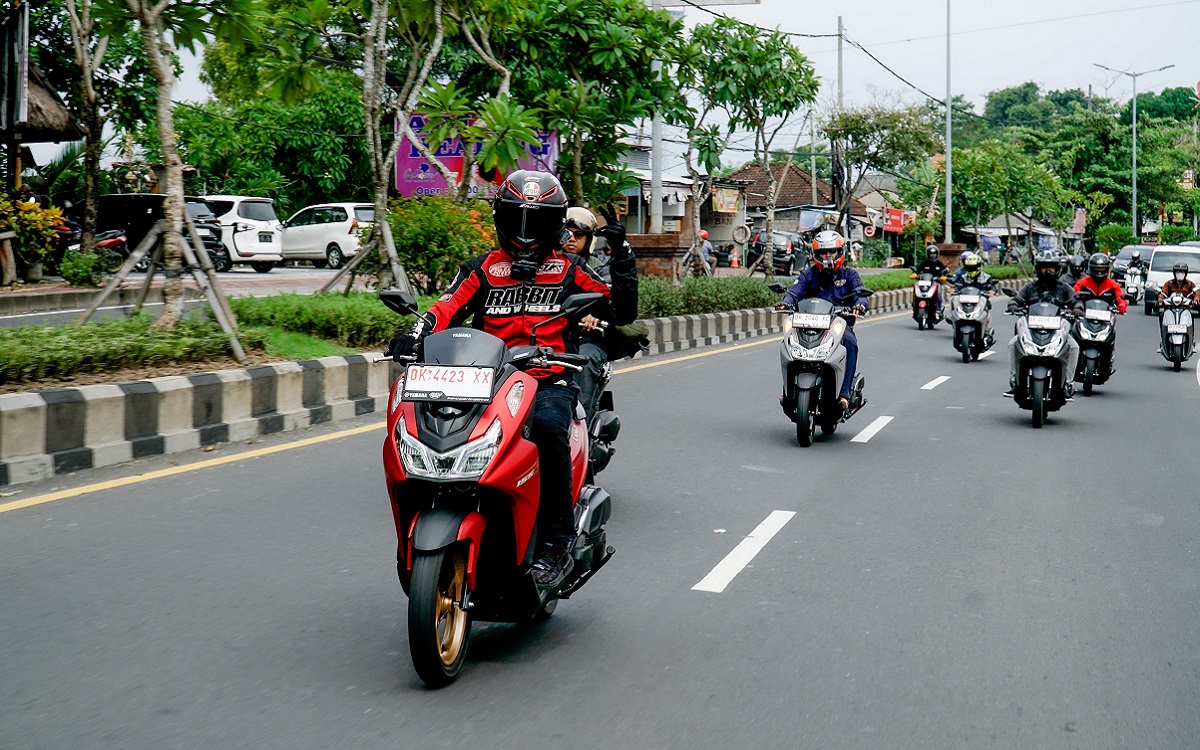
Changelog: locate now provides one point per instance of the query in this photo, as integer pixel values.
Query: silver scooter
(971, 314)
(1177, 333)
(1043, 330)
(813, 361)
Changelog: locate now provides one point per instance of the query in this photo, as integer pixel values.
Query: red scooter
(463, 480)
(926, 292)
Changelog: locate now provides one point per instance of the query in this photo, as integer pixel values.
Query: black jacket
(1037, 291)
(935, 267)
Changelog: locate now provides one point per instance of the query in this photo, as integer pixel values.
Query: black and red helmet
(530, 211)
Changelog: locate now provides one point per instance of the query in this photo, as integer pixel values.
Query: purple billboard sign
(415, 176)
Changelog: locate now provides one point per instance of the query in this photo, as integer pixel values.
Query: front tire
(1038, 397)
(262, 266)
(438, 626)
(920, 323)
(1177, 357)
(804, 419)
(1089, 376)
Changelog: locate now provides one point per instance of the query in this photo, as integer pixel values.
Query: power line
(769, 31)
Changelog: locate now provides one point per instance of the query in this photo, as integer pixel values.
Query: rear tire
(1149, 308)
(1038, 397)
(221, 261)
(438, 628)
(334, 257)
(320, 263)
(804, 419)
(262, 266)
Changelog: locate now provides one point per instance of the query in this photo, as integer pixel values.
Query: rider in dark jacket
(933, 265)
(829, 279)
(1046, 287)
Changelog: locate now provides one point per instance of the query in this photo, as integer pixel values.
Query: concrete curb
(78, 299)
(47, 433)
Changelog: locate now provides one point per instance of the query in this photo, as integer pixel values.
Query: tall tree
(762, 81)
(879, 138)
(164, 27)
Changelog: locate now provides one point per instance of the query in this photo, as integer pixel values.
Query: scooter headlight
(465, 462)
(822, 350)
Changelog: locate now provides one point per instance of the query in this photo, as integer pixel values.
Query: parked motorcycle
(1177, 333)
(926, 292)
(113, 240)
(971, 314)
(1096, 333)
(463, 482)
(813, 361)
(1042, 331)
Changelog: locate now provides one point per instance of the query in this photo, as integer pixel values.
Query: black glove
(783, 306)
(403, 345)
(1013, 308)
(613, 233)
(860, 310)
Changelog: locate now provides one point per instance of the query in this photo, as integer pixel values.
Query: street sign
(869, 230)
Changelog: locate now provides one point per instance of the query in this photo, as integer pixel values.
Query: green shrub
(36, 229)
(434, 235)
(658, 298)
(1169, 234)
(1112, 237)
(358, 320)
(37, 352)
(82, 269)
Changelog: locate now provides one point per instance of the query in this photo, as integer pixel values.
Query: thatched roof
(49, 118)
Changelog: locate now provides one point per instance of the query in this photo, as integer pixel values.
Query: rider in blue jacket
(830, 279)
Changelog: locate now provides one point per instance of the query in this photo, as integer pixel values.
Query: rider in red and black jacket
(509, 291)
(1098, 283)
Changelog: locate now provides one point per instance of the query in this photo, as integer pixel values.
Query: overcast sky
(995, 44)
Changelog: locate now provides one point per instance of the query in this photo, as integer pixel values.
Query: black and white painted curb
(47, 433)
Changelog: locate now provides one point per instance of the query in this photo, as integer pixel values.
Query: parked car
(136, 214)
(1161, 260)
(250, 230)
(326, 234)
(790, 252)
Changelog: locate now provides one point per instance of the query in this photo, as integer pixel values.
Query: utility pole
(841, 35)
(949, 132)
(656, 155)
(1137, 225)
(812, 151)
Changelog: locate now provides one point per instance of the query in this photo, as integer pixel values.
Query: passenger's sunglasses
(577, 234)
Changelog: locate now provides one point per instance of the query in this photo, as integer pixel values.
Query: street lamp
(1136, 225)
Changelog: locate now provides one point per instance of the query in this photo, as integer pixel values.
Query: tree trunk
(87, 61)
(158, 53)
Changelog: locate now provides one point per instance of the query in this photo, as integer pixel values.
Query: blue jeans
(850, 341)
(549, 428)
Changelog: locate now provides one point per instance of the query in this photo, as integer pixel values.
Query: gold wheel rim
(451, 618)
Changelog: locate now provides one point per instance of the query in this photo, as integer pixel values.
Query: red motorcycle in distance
(464, 483)
(926, 291)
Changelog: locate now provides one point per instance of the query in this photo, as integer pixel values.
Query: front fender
(1090, 353)
(1040, 372)
(806, 380)
(438, 528)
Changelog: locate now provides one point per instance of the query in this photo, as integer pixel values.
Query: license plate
(969, 299)
(808, 320)
(1176, 328)
(265, 237)
(1104, 315)
(446, 383)
(1044, 322)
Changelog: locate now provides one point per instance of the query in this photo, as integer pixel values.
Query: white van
(1161, 260)
(250, 230)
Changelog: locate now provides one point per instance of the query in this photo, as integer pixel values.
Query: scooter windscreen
(811, 320)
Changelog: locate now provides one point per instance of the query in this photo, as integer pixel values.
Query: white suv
(327, 233)
(250, 230)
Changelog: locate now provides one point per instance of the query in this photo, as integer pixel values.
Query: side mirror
(776, 287)
(577, 303)
(400, 302)
(863, 291)
(1008, 292)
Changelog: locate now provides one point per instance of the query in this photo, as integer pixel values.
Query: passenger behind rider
(1046, 287)
(830, 279)
(933, 265)
(615, 264)
(509, 290)
(1076, 269)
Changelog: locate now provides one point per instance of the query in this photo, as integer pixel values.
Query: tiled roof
(797, 188)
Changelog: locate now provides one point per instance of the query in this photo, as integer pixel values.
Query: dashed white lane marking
(985, 355)
(935, 383)
(725, 571)
(869, 432)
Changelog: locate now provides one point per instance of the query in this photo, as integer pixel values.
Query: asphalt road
(959, 580)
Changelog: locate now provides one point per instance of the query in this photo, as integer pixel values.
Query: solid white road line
(935, 383)
(987, 354)
(872, 428)
(740, 557)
